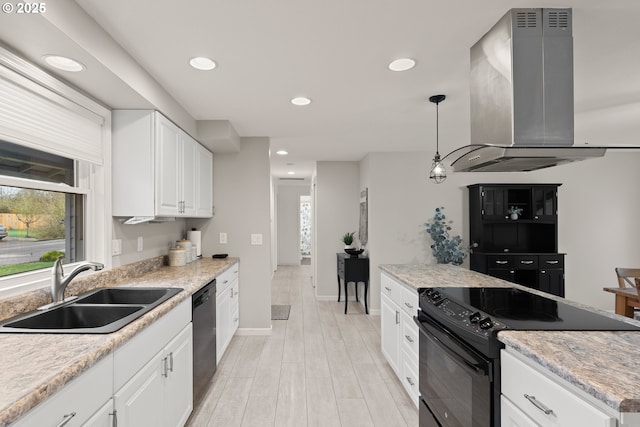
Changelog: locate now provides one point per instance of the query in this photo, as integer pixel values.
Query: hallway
(319, 368)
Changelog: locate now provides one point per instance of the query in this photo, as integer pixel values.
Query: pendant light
(438, 173)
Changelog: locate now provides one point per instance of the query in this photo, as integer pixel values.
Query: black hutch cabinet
(522, 250)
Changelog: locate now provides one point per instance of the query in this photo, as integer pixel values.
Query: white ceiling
(336, 52)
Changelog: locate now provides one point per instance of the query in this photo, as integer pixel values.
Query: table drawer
(499, 261)
(523, 262)
(547, 401)
(551, 261)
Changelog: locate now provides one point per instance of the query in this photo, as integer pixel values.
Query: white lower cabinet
(533, 396)
(76, 402)
(227, 308)
(103, 417)
(400, 333)
(161, 393)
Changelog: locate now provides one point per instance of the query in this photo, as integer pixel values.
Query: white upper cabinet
(158, 169)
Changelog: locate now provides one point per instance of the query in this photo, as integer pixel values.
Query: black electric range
(459, 351)
(477, 314)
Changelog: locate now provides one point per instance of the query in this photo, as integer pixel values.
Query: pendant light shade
(438, 172)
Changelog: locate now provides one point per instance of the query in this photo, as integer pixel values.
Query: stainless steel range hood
(522, 95)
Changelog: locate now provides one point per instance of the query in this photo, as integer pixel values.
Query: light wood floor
(319, 368)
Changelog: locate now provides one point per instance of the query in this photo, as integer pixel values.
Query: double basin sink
(100, 311)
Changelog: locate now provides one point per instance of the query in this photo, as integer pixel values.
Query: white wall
(288, 218)
(241, 197)
(337, 197)
(157, 238)
(598, 211)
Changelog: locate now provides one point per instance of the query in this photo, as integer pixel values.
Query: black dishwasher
(204, 339)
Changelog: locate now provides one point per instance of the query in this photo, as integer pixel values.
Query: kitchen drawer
(500, 261)
(226, 278)
(409, 376)
(551, 261)
(525, 262)
(565, 406)
(390, 288)
(409, 300)
(409, 335)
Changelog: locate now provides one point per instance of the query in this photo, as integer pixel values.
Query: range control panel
(442, 308)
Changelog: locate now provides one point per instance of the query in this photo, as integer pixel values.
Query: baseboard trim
(254, 331)
(375, 312)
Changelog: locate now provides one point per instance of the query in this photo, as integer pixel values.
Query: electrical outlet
(116, 247)
(256, 239)
(223, 238)
(140, 244)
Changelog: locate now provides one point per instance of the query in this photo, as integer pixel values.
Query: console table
(353, 269)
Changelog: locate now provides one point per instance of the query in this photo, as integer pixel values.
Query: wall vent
(558, 19)
(527, 19)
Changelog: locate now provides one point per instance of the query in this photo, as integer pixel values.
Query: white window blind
(33, 116)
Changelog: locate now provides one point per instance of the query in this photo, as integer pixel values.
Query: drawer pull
(408, 305)
(551, 261)
(502, 262)
(538, 405)
(410, 381)
(397, 317)
(66, 419)
(409, 338)
(526, 262)
(171, 361)
(388, 289)
(225, 282)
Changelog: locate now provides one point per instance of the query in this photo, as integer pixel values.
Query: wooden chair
(630, 277)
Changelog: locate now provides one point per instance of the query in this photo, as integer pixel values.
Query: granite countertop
(35, 366)
(602, 364)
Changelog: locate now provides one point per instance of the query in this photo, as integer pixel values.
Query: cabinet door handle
(409, 338)
(408, 305)
(502, 262)
(114, 414)
(171, 361)
(397, 317)
(165, 370)
(225, 282)
(66, 419)
(526, 262)
(235, 320)
(552, 261)
(410, 381)
(388, 289)
(538, 405)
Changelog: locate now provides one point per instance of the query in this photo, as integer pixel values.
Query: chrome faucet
(59, 282)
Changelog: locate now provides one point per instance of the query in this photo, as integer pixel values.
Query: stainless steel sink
(101, 311)
(123, 296)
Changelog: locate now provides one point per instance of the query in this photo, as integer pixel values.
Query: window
(41, 210)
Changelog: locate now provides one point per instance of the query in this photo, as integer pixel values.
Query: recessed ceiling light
(301, 100)
(202, 63)
(402, 64)
(63, 63)
(291, 173)
(282, 152)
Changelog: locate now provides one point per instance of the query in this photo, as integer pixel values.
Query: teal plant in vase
(446, 249)
(347, 239)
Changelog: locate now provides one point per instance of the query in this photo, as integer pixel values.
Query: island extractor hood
(522, 95)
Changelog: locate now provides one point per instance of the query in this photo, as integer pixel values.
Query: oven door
(455, 381)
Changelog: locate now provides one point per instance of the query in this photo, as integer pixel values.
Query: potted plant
(446, 249)
(347, 239)
(514, 212)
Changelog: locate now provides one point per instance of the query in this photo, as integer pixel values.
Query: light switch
(256, 239)
(223, 238)
(116, 247)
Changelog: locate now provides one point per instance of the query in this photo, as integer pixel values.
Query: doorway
(305, 230)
